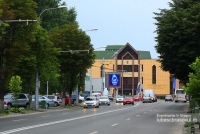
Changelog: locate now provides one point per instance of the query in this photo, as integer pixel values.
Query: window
(153, 74)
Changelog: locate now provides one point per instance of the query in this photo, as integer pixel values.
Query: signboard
(114, 80)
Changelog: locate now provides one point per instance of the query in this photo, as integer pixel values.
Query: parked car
(119, 99)
(67, 98)
(91, 102)
(56, 99)
(5, 105)
(110, 97)
(128, 100)
(81, 99)
(21, 101)
(137, 98)
(49, 103)
(168, 98)
(104, 100)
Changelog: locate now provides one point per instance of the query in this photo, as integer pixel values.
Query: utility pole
(102, 70)
(91, 81)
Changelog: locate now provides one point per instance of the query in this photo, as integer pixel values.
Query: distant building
(135, 66)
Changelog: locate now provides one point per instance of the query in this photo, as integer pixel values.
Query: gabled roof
(112, 49)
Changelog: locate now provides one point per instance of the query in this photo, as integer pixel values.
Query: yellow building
(135, 67)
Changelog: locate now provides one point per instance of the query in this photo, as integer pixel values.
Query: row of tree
(178, 42)
(28, 49)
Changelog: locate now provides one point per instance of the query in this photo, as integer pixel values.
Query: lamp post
(37, 73)
(94, 29)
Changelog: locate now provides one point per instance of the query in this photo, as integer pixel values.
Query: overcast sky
(119, 21)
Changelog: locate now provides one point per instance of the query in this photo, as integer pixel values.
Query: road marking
(66, 120)
(144, 112)
(65, 113)
(114, 125)
(45, 116)
(138, 115)
(128, 119)
(20, 120)
(94, 132)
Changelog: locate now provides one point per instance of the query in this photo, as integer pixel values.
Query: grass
(4, 112)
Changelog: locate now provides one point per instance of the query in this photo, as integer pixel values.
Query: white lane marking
(128, 119)
(94, 132)
(45, 116)
(65, 113)
(20, 120)
(66, 120)
(137, 115)
(114, 125)
(144, 112)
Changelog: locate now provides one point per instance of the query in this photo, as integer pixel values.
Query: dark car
(168, 98)
(110, 97)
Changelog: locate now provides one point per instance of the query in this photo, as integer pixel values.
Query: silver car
(104, 100)
(91, 102)
(49, 103)
(119, 99)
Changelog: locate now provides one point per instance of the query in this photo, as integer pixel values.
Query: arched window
(153, 74)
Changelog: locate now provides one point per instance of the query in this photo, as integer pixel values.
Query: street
(140, 118)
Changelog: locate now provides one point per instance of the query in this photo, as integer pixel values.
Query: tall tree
(192, 88)
(17, 35)
(70, 37)
(40, 57)
(178, 42)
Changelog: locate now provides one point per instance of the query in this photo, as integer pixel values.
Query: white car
(57, 101)
(91, 102)
(104, 100)
(119, 99)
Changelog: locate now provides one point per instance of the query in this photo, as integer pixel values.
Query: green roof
(112, 49)
(104, 54)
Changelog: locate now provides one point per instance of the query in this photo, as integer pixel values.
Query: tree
(40, 57)
(178, 42)
(15, 38)
(192, 88)
(15, 86)
(70, 37)
(55, 18)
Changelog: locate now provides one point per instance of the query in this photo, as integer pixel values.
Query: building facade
(135, 67)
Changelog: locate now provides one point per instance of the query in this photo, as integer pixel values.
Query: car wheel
(109, 104)
(116, 101)
(9, 106)
(55, 104)
(124, 104)
(132, 103)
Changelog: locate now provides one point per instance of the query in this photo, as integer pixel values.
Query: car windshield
(90, 99)
(8, 96)
(103, 97)
(180, 92)
(51, 97)
(120, 97)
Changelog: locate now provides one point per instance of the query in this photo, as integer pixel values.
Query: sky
(119, 22)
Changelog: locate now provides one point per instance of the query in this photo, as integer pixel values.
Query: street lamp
(37, 73)
(51, 9)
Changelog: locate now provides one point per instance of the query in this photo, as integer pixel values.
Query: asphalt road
(141, 118)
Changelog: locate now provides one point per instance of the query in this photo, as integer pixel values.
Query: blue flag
(174, 83)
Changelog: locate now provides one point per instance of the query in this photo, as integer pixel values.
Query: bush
(16, 110)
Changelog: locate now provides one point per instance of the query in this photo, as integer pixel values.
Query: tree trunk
(30, 94)
(64, 94)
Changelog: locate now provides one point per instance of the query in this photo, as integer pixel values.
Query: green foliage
(178, 37)
(56, 17)
(192, 88)
(72, 65)
(15, 85)
(5, 112)
(16, 110)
